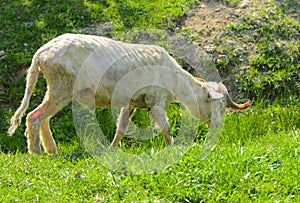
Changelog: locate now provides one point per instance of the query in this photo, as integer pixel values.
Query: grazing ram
(105, 63)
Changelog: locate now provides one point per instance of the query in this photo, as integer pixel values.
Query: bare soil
(211, 17)
(209, 21)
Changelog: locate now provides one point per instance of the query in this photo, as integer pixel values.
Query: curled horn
(234, 105)
(230, 103)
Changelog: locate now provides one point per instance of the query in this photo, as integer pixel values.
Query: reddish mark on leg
(36, 114)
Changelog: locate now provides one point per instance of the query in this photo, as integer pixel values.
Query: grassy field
(251, 163)
(256, 159)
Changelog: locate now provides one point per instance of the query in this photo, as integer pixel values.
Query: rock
(222, 57)
(244, 5)
(231, 43)
(200, 6)
(209, 48)
(2, 54)
(239, 51)
(192, 14)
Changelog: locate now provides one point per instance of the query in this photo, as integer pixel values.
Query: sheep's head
(217, 93)
(221, 89)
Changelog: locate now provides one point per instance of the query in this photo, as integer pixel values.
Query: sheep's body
(89, 69)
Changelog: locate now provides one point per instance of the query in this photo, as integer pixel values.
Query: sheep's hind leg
(45, 132)
(38, 129)
(123, 122)
(33, 124)
(47, 138)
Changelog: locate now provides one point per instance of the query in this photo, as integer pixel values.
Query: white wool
(101, 72)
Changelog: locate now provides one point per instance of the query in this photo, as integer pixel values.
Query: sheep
(100, 63)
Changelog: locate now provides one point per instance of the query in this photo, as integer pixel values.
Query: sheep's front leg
(123, 122)
(158, 114)
(216, 115)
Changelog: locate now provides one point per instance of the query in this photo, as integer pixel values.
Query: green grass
(268, 172)
(256, 158)
(252, 162)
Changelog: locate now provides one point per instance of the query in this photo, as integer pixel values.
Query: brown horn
(234, 105)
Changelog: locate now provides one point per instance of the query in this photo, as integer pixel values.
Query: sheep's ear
(221, 88)
(212, 85)
(215, 95)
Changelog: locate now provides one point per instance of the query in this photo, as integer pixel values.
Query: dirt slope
(211, 17)
(209, 23)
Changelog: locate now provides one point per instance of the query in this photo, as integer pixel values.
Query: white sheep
(100, 65)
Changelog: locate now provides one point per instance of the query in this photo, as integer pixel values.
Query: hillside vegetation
(253, 44)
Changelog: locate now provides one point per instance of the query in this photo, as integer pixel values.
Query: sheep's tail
(31, 80)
